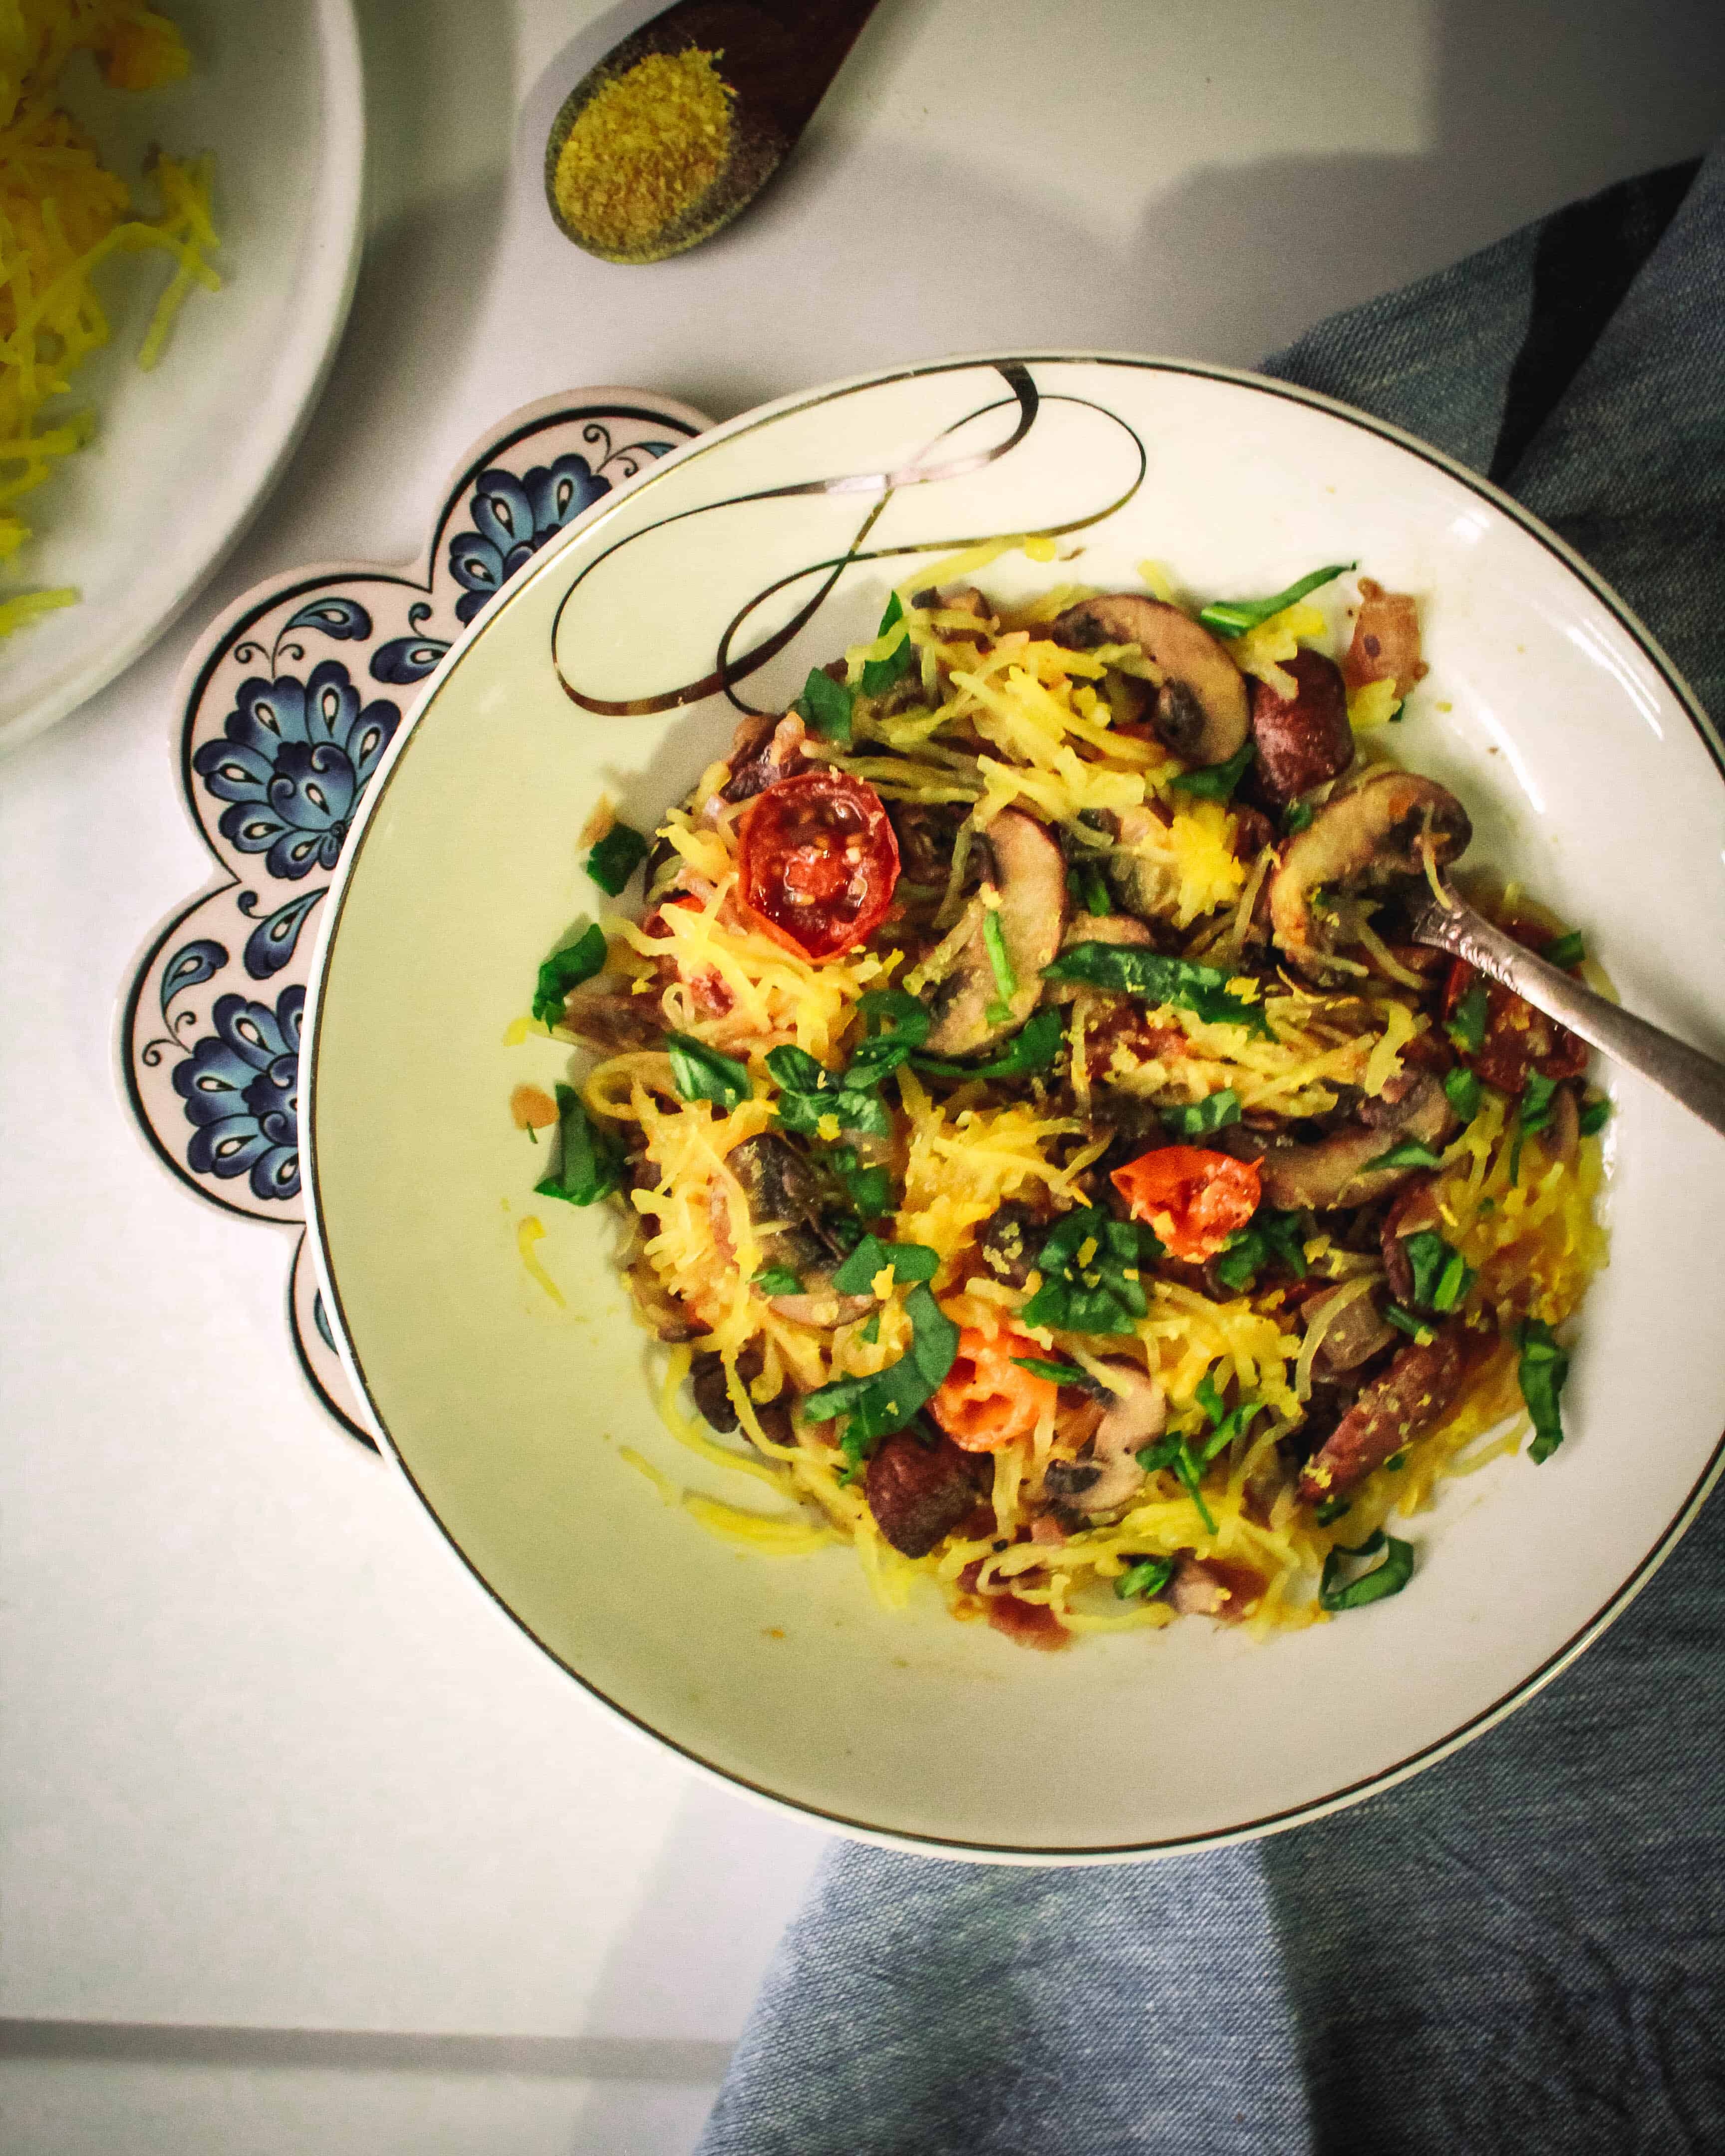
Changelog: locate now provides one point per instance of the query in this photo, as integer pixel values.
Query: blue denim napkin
(1524, 1947)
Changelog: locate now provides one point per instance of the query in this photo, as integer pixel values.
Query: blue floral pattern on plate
(282, 733)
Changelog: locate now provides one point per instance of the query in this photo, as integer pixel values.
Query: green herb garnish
(1594, 1116)
(869, 1189)
(1006, 979)
(1463, 1091)
(910, 1261)
(825, 704)
(1090, 1267)
(1537, 1096)
(1216, 781)
(1176, 1452)
(1542, 1369)
(565, 969)
(879, 1404)
(1440, 1278)
(1298, 816)
(1384, 1580)
(1147, 1578)
(808, 1093)
(1409, 1153)
(878, 675)
(1247, 1251)
(871, 1332)
(1405, 1321)
(590, 1162)
(1566, 952)
(1396, 1462)
(894, 1024)
(777, 1280)
(1331, 1510)
(1467, 1021)
(1031, 1049)
(617, 856)
(1197, 1119)
(1233, 616)
(700, 1073)
(1057, 1374)
(1131, 970)
(1097, 900)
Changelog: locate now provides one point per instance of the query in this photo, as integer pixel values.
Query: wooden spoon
(777, 56)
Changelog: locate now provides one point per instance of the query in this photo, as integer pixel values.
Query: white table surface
(303, 1846)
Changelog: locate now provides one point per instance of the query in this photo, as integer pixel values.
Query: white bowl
(1589, 773)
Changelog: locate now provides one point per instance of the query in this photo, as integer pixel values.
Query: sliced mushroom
(613, 1020)
(1413, 1210)
(1030, 882)
(1339, 1171)
(1367, 838)
(1137, 885)
(1414, 1394)
(1201, 712)
(1104, 928)
(1356, 1335)
(1133, 1418)
(783, 1195)
(1303, 740)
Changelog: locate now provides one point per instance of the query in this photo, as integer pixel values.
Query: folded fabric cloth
(1524, 1947)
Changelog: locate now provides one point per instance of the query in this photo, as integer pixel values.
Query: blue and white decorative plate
(288, 704)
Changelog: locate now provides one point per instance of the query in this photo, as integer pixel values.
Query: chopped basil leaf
(1467, 1021)
(1233, 616)
(1133, 971)
(910, 1261)
(1176, 1452)
(894, 1024)
(1197, 1119)
(565, 969)
(808, 1093)
(700, 1073)
(777, 1280)
(1057, 1374)
(1216, 781)
(1097, 900)
(1567, 951)
(1426, 1253)
(825, 704)
(1006, 979)
(1332, 1509)
(1208, 1398)
(1542, 1368)
(1405, 1321)
(1594, 1116)
(1463, 1091)
(1090, 1266)
(1298, 816)
(878, 675)
(1247, 1251)
(1458, 1276)
(879, 1404)
(871, 1332)
(1396, 1462)
(870, 1189)
(1409, 1153)
(1235, 1424)
(1031, 1049)
(590, 1162)
(1377, 1585)
(1536, 1102)
(1147, 1578)
(616, 857)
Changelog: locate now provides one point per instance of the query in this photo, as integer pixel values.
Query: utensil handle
(1691, 1078)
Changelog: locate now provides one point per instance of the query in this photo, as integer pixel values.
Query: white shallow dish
(185, 453)
(1589, 773)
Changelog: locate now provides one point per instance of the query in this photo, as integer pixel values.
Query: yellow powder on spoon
(643, 150)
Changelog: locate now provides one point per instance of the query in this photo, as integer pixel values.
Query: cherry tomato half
(1192, 1198)
(819, 862)
(987, 1400)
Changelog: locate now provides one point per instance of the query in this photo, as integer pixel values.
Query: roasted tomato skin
(817, 862)
(987, 1400)
(1193, 1198)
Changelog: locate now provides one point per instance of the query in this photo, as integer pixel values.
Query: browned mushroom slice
(1201, 712)
(1367, 838)
(1413, 1395)
(1340, 1170)
(820, 1304)
(1303, 740)
(783, 1195)
(1029, 880)
(1353, 1336)
(1108, 1475)
(613, 1020)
